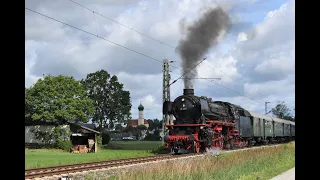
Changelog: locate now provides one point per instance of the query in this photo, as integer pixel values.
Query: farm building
(83, 136)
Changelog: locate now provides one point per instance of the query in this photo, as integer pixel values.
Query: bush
(60, 135)
(151, 137)
(64, 145)
(161, 150)
(105, 138)
(99, 140)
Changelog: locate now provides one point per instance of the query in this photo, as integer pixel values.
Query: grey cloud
(260, 47)
(55, 54)
(251, 76)
(59, 67)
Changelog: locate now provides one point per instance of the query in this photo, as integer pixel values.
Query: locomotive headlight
(182, 99)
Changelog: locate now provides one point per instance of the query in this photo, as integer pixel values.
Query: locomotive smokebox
(188, 92)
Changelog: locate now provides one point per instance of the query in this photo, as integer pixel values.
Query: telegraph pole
(166, 91)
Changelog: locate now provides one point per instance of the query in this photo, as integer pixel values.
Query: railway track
(66, 169)
(73, 168)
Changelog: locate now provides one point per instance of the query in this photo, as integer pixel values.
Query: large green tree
(154, 124)
(282, 111)
(111, 101)
(54, 99)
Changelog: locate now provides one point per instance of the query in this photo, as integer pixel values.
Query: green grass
(52, 157)
(136, 145)
(251, 164)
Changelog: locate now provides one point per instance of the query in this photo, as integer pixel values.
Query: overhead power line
(134, 51)
(94, 35)
(122, 24)
(202, 78)
(187, 72)
(219, 85)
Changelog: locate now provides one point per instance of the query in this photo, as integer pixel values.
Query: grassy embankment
(35, 158)
(251, 164)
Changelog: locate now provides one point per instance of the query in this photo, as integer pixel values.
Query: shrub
(64, 145)
(60, 135)
(99, 140)
(151, 137)
(161, 150)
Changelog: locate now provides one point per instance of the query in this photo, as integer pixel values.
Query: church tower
(141, 117)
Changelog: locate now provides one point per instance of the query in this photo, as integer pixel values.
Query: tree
(112, 103)
(156, 132)
(281, 110)
(160, 124)
(119, 127)
(141, 127)
(129, 129)
(154, 124)
(55, 99)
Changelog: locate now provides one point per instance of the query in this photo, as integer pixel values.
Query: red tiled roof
(134, 122)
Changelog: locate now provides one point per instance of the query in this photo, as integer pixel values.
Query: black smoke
(200, 36)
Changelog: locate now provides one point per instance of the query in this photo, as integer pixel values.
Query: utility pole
(266, 111)
(166, 91)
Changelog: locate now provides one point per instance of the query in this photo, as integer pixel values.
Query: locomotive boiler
(191, 109)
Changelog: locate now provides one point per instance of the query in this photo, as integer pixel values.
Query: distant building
(140, 120)
(119, 136)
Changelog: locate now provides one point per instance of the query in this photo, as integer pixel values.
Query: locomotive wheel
(232, 146)
(196, 147)
(221, 143)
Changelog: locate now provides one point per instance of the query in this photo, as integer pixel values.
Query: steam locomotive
(202, 124)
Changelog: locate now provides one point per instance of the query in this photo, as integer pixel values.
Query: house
(135, 123)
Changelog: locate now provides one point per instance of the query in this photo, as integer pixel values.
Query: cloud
(255, 60)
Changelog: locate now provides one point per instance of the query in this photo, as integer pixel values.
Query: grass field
(35, 158)
(136, 145)
(251, 164)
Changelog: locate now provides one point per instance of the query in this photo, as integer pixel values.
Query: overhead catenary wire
(224, 87)
(155, 59)
(94, 35)
(229, 76)
(201, 78)
(122, 24)
(187, 72)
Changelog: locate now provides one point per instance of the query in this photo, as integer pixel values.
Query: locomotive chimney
(188, 92)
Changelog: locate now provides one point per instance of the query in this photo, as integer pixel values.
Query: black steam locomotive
(202, 124)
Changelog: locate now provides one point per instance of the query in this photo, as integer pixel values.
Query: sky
(255, 60)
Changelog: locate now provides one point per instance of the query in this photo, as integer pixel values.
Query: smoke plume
(200, 36)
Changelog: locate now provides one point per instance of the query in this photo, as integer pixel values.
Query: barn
(83, 136)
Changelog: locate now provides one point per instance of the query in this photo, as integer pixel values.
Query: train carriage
(292, 129)
(262, 127)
